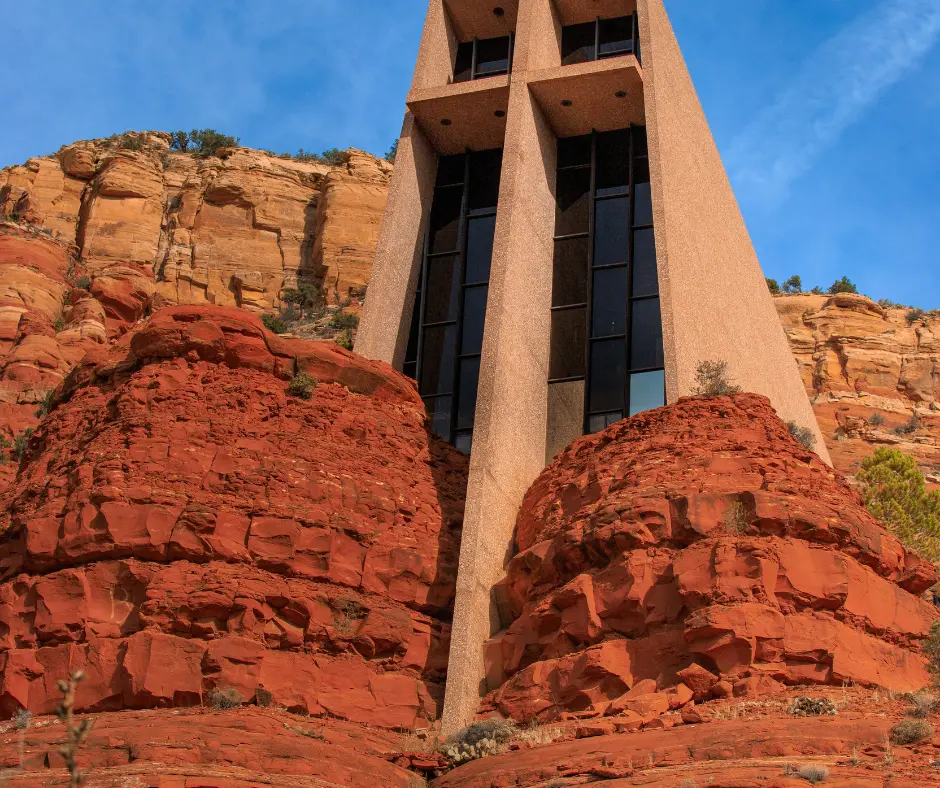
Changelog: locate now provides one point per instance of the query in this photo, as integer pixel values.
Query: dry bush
(75, 731)
(712, 380)
(736, 520)
(923, 704)
(805, 706)
(911, 732)
(222, 698)
(813, 773)
(538, 735)
(479, 740)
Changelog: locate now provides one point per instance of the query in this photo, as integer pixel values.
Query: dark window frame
(635, 154)
(474, 73)
(597, 55)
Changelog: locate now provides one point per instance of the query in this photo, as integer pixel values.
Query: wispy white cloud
(829, 92)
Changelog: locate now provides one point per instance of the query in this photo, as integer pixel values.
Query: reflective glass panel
(464, 64)
(443, 289)
(642, 205)
(611, 231)
(572, 214)
(467, 391)
(464, 442)
(646, 338)
(474, 319)
(613, 162)
(577, 43)
(492, 56)
(608, 375)
(445, 220)
(479, 249)
(437, 363)
(602, 421)
(569, 285)
(450, 170)
(439, 409)
(616, 36)
(484, 179)
(609, 317)
(647, 391)
(569, 328)
(574, 151)
(645, 278)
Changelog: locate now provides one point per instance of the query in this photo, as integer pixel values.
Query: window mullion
(590, 279)
(630, 269)
(461, 276)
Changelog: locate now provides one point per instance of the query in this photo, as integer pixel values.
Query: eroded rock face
(235, 229)
(858, 361)
(182, 524)
(699, 545)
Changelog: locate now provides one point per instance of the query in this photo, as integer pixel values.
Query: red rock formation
(700, 535)
(181, 524)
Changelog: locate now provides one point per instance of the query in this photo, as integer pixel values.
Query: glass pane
(609, 317)
(439, 415)
(639, 141)
(569, 327)
(616, 35)
(602, 421)
(437, 363)
(479, 249)
(577, 43)
(467, 394)
(647, 391)
(410, 369)
(492, 56)
(573, 201)
(569, 284)
(445, 220)
(646, 338)
(645, 278)
(485, 169)
(573, 151)
(642, 205)
(608, 376)
(611, 231)
(443, 289)
(450, 170)
(641, 170)
(464, 63)
(613, 161)
(464, 442)
(474, 319)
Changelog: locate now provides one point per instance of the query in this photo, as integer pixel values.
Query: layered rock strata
(699, 546)
(181, 524)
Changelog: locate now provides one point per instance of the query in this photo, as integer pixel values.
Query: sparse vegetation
(915, 315)
(712, 380)
(275, 323)
(201, 142)
(802, 434)
(895, 491)
(843, 285)
(345, 340)
(222, 698)
(805, 706)
(75, 731)
(20, 444)
(923, 704)
(344, 321)
(302, 386)
(813, 773)
(736, 520)
(930, 648)
(817, 290)
(478, 740)
(911, 731)
(46, 405)
(333, 157)
(83, 282)
(773, 285)
(876, 420)
(304, 297)
(887, 303)
(793, 285)
(392, 152)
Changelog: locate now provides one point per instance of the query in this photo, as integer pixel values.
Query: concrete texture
(714, 299)
(715, 302)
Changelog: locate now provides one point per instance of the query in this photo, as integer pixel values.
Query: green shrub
(333, 156)
(275, 323)
(887, 303)
(911, 732)
(712, 380)
(302, 386)
(478, 740)
(803, 434)
(392, 152)
(203, 142)
(909, 427)
(843, 285)
(20, 444)
(773, 285)
(46, 405)
(342, 320)
(222, 698)
(345, 340)
(84, 282)
(930, 648)
(131, 142)
(895, 491)
(877, 420)
(817, 290)
(915, 315)
(793, 285)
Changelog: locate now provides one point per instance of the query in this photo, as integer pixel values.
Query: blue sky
(827, 112)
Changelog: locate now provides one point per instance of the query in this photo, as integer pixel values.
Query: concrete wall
(715, 301)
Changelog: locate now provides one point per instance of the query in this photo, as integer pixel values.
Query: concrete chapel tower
(560, 250)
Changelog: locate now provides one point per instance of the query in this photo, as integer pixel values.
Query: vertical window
(600, 39)
(446, 338)
(606, 322)
(483, 57)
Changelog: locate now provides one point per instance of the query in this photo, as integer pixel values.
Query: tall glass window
(606, 324)
(483, 57)
(600, 39)
(446, 339)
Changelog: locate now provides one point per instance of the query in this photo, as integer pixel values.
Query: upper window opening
(600, 39)
(483, 57)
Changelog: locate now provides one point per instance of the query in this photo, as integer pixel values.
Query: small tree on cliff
(843, 285)
(793, 285)
(773, 285)
(203, 142)
(895, 491)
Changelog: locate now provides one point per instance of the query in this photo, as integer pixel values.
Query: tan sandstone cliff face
(231, 230)
(860, 362)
